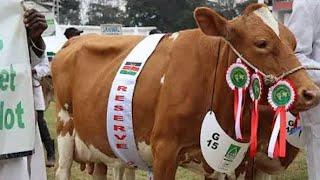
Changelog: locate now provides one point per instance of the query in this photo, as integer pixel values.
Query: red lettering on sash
(117, 118)
(122, 88)
(119, 98)
(120, 128)
(120, 138)
(121, 146)
(118, 108)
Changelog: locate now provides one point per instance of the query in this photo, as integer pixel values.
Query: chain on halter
(270, 79)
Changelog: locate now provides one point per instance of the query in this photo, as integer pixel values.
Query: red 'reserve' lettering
(121, 146)
(119, 98)
(122, 88)
(118, 108)
(120, 137)
(117, 118)
(119, 128)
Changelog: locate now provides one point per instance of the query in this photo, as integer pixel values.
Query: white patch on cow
(65, 150)
(66, 106)
(92, 154)
(145, 152)
(162, 79)
(64, 116)
(174, 36)
(268, 19)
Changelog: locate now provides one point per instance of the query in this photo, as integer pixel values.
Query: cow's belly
(89, 153)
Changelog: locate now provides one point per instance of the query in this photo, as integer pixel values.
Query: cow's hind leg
(65, 143)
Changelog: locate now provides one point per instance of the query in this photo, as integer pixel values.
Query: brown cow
(183, 78)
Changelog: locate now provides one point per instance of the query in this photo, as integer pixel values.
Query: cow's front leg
(65, 145)
(165, 163)
(118, 172)
(129, 173)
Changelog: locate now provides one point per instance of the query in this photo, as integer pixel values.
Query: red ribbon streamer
(280, 148)
(236, 100)
(254, 129)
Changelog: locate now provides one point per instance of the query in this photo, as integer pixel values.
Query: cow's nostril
(309, 95)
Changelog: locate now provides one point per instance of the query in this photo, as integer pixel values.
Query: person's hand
(35, 24)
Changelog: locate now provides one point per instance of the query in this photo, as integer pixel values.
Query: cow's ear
(210, 22)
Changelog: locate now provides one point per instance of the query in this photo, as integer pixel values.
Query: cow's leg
(65, 144)
(259, 175)
(165, 163)
(129, 174)
(118, 172)
(100, 172)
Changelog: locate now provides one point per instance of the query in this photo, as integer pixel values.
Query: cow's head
(265, 43)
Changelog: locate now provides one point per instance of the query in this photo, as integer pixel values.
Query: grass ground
(296, 171)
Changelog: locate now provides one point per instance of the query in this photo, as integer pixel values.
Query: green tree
(167, 15)
(100, 13)
(69, 12)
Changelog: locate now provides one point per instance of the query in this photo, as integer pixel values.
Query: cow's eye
(261, 44)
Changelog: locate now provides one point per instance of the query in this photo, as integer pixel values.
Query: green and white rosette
(238, 79)
(255, 94)
(281, 96)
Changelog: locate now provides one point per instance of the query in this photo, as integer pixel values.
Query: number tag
(213, 142)
(219, 150)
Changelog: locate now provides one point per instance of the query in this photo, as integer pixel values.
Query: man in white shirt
(305, 24)
(40, 70)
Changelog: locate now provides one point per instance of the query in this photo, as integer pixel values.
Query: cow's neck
(223, 98)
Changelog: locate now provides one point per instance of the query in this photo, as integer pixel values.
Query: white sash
(119, 114)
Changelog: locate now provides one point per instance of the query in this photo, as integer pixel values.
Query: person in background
(39, 71)
(72, 32)
(155, 31)
(305, 24)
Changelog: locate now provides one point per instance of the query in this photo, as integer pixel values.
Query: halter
(270, 79)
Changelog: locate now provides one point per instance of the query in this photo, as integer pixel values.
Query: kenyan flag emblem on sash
(130, 68)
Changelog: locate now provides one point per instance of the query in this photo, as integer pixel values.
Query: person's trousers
(45, 134)
(312, 140)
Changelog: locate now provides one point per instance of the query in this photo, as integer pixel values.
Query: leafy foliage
(103, 14)
(69, 12)
(166, 15)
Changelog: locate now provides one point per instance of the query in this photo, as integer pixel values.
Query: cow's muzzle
(307, 99)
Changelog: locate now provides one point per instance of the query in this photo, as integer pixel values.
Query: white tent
(54, 43)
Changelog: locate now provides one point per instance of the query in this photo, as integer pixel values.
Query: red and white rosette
(238, 79)
(281, 96)
(255, 94)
